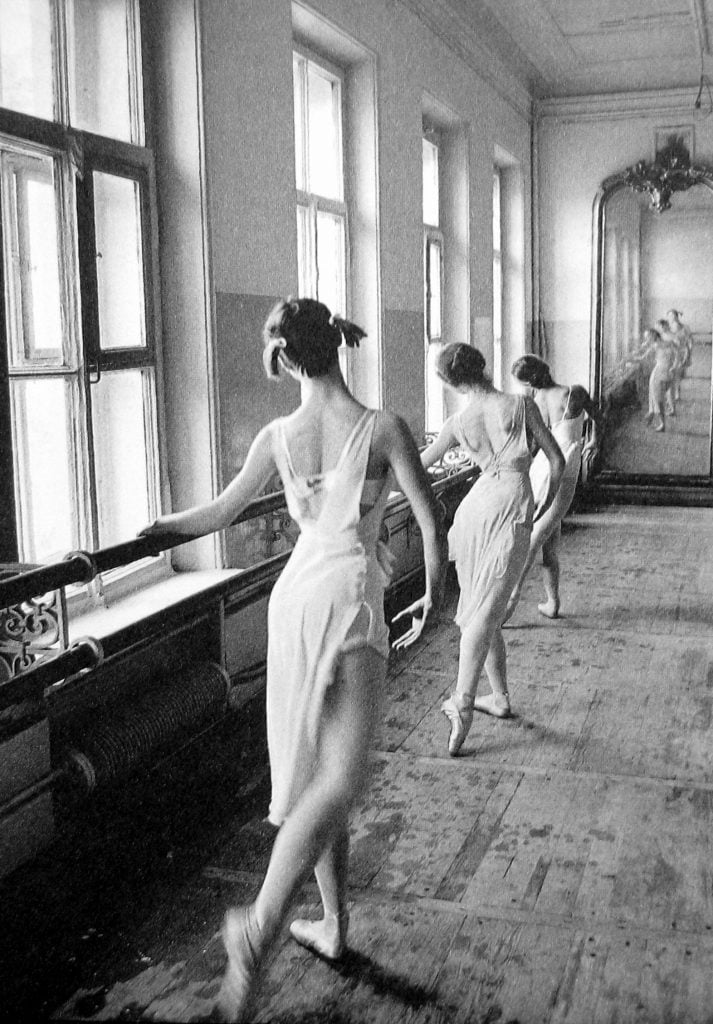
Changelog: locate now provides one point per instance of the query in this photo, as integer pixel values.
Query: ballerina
(327, 639)
(563, 410)
(490, 535)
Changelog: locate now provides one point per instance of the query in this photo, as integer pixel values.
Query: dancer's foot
(326, 938)
(458, 709)
(550, 609)
(496, 704)
(242, 941)
(660, 429)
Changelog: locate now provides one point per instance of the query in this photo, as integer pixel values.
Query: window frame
(313, 202)
(433, 237)
(498, 262)
(78, 154)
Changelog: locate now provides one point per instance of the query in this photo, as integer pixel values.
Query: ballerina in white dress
(563, 410)
(327, 639)
(490, 536)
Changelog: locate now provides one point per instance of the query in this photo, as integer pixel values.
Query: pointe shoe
(660, 429)
(315, 935)
(459, 713)
(496, 704)
(550, 609)
(241, 938)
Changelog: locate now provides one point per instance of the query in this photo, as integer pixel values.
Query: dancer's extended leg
(313, 825)
(327, 937)
(475, 644)
(551, 575)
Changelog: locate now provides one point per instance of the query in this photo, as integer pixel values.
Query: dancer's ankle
(463, 700)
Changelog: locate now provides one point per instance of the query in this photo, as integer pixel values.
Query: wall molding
(460, 37)
(677, 103)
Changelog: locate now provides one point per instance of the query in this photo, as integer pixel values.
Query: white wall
(243, 89)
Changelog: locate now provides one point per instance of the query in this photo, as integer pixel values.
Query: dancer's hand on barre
(153, 529)
(421, 612)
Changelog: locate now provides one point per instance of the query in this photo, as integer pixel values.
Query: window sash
(136, 165)
(303, 64)
(76, 156)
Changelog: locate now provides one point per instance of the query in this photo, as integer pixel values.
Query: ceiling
(578, 47)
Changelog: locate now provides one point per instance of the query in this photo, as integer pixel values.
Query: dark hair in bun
(308, 334)
(533, 371)
(460, 364)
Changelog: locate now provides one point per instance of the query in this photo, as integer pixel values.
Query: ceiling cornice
(459, 36)
(619, 106)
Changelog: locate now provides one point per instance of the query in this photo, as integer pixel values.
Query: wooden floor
(560, 870)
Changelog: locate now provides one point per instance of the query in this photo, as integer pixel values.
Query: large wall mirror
(651, 331)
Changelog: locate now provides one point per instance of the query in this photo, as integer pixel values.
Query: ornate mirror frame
(670, 172)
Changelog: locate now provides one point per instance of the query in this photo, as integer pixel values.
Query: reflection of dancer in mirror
(490, 535)
(680, 354)
(660, 376)
(682, 337)
(563, 410)
(327, 640)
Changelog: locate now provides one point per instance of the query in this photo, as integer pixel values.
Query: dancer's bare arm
(221, 511)
(402, 455)
(446, 439)
(544, 440)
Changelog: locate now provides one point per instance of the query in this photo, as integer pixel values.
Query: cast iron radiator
(111, 742)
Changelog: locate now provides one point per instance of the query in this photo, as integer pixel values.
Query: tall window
(319, 176)
(433, 282)
(497, 279)
(78, 352)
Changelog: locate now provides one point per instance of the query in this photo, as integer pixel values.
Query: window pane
(496, 211)
(31, 260)
(434, 390)
(331, 262)
(104, 68)
(117, 215)
(430, 183)
(497, 320)
(299, 66)
(26, 73)
(325, 155)
(124, 432)
(434, 269)
(43, 439)
(304, 262)
(497, 298)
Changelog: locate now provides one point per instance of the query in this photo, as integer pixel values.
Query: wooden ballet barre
(83, 566)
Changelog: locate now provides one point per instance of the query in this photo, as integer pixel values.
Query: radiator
(115, 740)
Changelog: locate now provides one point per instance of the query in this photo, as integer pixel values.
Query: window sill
(141, 604)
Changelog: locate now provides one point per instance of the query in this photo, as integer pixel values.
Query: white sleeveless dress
(490, 536)
(568, 435)
(328, 600)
